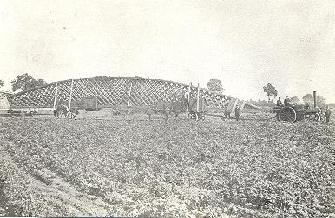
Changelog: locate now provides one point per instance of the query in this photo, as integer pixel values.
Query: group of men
(237, 112)
(287, 102)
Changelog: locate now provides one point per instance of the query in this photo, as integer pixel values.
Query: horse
(63, 110)
(171, 107)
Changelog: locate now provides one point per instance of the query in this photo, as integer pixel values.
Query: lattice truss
(114, 91)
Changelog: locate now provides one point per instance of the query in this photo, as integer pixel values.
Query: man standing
(306, 106)
(237, 112)
(227, 112)
(287, 101)
(327, 114)
(279, 104)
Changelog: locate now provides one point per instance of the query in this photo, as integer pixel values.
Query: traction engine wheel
(317, 117)
(288, 114)
(322, 117)
(313, 117)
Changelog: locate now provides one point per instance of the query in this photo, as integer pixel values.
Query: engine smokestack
(314, 98)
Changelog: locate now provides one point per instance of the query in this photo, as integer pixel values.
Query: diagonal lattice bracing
(113, 91)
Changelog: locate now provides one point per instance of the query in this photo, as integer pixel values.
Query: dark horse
(63, 111)
(169, 107)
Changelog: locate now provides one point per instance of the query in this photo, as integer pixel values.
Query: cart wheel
(191, 115)
(196, 116)
(71, 115)
(288, 114)
(317, 117)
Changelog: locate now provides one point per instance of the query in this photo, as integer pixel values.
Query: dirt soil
(114, 166)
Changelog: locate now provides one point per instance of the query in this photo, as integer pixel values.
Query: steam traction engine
(293, 113)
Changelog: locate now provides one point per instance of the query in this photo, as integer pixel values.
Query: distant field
(103, 165)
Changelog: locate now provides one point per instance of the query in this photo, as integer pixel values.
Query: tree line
(271, 91)
(215, 85)
(24, 82)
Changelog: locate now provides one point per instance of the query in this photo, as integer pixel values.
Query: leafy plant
(270, 90)
(25, 82)
(110, 167)
(215, 85)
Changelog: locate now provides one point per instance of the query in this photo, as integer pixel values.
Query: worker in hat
(287, 101)
(327, 114)
(279, 103)
(237, 112)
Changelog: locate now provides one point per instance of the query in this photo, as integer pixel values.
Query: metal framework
(113, 91)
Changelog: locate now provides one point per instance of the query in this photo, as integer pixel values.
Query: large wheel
(313, 117)
(317, 117)
(322, 117)
(192, 115)
(196, 116)
(199, 116)
(288, 114)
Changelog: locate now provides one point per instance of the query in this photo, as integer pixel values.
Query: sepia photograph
(180, 108)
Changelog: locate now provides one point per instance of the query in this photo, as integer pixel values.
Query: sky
(245, 44)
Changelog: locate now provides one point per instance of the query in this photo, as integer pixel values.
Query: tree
(270, 91)
(25, 82)
(294, 99)
(308, 98)
(215, 85)
(1, 83)
(320, 100)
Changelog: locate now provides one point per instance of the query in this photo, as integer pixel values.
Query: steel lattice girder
(112, 91)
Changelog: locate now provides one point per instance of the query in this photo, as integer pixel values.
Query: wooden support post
(189, 97)
(129, 93)
(56, 96)
(202, 104)
(70, 97)
(96, 103)
(198, 98)
(189, 93)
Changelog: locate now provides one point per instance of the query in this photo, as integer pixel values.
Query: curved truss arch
(112, 91)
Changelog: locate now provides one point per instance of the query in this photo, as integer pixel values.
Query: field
(100, 165)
